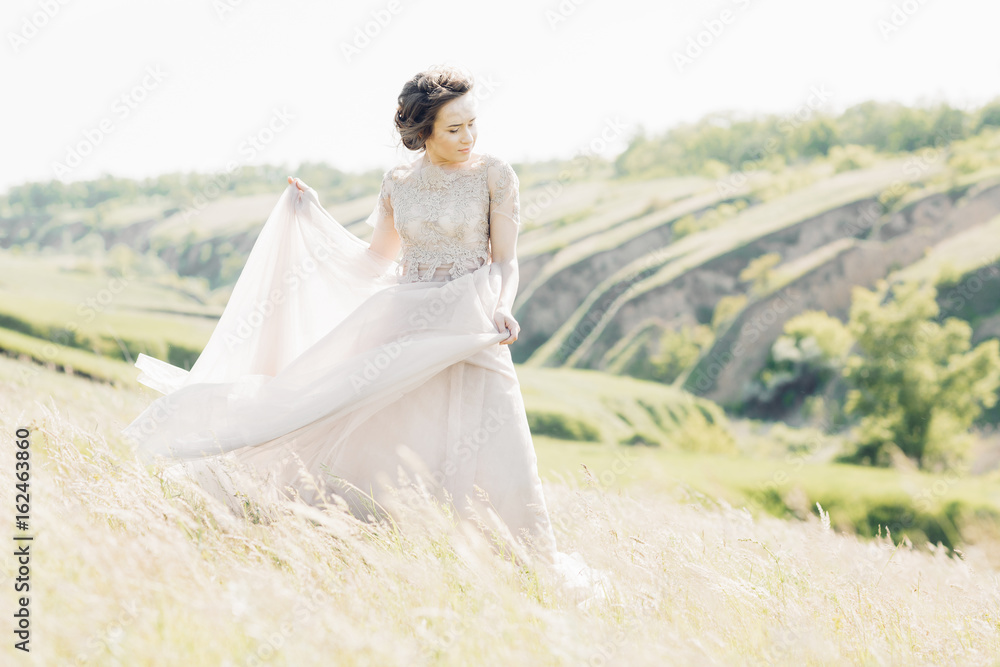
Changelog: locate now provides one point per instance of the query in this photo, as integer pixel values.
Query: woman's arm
(504, 225)
(385, 241)
(503, 241)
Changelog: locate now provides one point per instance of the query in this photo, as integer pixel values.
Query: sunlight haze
(553, 76)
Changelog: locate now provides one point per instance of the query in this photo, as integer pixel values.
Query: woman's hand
(506, 322)
(304, 194)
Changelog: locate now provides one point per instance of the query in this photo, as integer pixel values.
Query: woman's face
(455, 131)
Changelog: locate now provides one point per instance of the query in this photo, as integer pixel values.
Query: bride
(337, 365)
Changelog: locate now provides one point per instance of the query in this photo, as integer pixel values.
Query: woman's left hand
(506, 322)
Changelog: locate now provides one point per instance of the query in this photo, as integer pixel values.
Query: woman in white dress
(345, 363)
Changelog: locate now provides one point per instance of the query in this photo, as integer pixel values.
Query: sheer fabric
(333, 364)
(443, 214)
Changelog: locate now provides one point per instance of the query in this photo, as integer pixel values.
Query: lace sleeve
(504, 197)
(383, 215)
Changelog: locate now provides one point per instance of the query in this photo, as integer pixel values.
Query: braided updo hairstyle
(421, 98)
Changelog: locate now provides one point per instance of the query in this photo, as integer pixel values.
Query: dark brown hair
(422, 97)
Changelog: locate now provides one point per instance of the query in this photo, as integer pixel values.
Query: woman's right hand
(303, 193)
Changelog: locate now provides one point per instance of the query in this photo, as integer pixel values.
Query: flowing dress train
(332, 361)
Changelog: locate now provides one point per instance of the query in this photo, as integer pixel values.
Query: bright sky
(561, 73)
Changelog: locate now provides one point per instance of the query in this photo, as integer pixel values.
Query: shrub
(563, 426)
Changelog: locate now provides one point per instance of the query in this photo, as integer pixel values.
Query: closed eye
(456, 129)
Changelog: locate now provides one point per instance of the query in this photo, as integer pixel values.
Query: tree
(679, 350)
(758, 272)
(989, 115)
(726, 310)
(817, 137)
(802, 360)
(915, 383)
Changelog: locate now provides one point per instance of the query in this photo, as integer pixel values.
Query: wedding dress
(353, 366)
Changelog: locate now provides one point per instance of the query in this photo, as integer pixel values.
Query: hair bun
(422, 97)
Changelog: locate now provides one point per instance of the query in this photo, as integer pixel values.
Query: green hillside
(652, 267)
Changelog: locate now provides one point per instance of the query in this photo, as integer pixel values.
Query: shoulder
(495, 161)
(395, 175)
(397, 171)
(500, 173)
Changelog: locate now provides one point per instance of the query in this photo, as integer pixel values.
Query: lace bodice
(443, 214)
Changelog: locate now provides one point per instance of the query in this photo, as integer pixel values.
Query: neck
(438, 162)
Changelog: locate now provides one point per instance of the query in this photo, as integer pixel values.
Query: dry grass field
(129, 568)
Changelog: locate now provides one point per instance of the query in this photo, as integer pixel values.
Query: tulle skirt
(462, 435)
